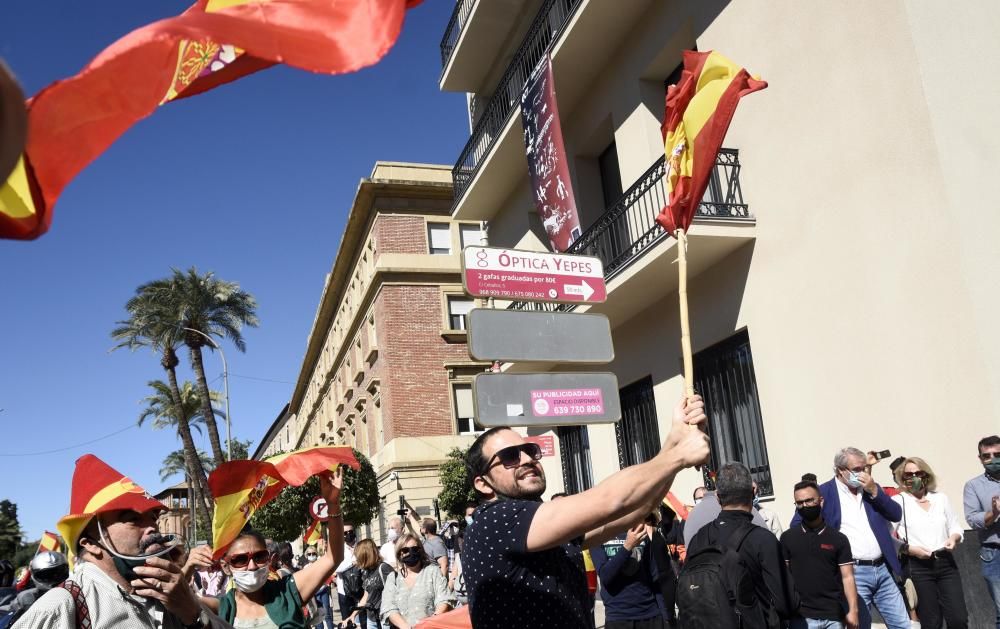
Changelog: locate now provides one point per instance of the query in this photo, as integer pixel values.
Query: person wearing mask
(705, 512)
(456, 580)
(388, 549)
(374, 574)
(434, 546)
(774, 599)
(982, 512)
(698, 495)
(855, 505)
(628, 577)
(930, 531)
(345, 602)
(770, 517)
(319, 606)
(821, 564)
(470, 512)
(258, 602)
(126, 573)
(523, 560)
(417, 590)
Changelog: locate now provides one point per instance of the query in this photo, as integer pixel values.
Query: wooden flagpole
(685, 321)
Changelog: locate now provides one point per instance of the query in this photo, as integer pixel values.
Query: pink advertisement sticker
(566, 402)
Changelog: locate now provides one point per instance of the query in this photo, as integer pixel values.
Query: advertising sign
(532, 276)
(546, 399)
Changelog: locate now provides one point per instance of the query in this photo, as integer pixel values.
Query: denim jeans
(939, 592)
(373, 622)
(323, 602)
(814, 623)
(991, 572)
(877, 587)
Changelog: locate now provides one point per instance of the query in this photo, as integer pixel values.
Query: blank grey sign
(565, 337)
(546, 399)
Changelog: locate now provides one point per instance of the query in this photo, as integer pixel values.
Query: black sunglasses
(242, 560)
(909, 475)
(510, 456)
(406, 550)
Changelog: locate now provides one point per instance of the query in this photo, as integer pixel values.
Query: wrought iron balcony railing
(628, 229)
(545, 29)
(454, 29)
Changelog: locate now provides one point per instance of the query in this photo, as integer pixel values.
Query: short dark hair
(694, 494)
(429, 526)
(809, 476)
(733, 485)
(475, 461)
(248, 532)
(285, 553)
(806, 484)
(992, 440)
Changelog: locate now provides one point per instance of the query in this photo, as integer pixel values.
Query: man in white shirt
(856, 506)
(388, 549)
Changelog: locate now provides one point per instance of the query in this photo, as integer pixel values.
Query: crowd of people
(516, 560)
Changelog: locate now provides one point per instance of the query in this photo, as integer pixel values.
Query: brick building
(386, 368)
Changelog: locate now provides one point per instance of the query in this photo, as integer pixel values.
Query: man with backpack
(735, 575)
(126, 574)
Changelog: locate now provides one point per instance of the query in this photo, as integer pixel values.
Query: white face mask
(392, 535)
(468, 519)
(250, 580)
(697, 501)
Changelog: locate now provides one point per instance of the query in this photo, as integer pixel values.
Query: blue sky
(252, 181)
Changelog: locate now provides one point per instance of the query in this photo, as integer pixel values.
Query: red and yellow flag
(50, 541)
(313, 534)
(698, 112)
(71, 122)
(242, 487)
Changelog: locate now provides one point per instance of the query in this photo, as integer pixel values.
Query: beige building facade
(386, 369)
(842, 265)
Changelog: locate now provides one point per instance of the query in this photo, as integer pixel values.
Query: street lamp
(225, 382)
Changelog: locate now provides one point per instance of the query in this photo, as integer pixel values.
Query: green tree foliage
(25, 554)
(286, 517)
(241, 450)
(455, 487)
(10, 530)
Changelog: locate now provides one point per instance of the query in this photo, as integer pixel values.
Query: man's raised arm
(600, 513)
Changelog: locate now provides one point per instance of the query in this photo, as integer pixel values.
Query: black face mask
(809, 514)
(350, 537)
(411, 560)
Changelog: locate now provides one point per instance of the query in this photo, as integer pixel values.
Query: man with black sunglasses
(982, 511)
(524, 563)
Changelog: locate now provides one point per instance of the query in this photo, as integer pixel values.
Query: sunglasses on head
(510, 456)
(407, 550)
(242, 560)
(909, 475)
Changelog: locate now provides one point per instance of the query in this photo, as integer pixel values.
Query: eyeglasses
(856, 470)
(808, 502)
(989, 456)
(407, 550)
(242, 560)
(909, 475)
(510, 457)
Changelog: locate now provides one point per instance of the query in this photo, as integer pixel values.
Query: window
(724, 376)
(458, 309)
(439, 238)
(470, 235)
(465, 421)
(637, 433)
(611, 176)
(574, 448)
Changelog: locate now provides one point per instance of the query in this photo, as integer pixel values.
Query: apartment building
(386, 369)
(842, 263)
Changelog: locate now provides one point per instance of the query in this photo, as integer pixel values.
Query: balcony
(628, 230)
(475, 37)
(545, 29)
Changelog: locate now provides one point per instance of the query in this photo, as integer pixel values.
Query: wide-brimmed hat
(99, 488)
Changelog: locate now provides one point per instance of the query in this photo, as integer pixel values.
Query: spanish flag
(698, 112)
(50, 541)
(313, 534)
(242, 487)
(71, 122)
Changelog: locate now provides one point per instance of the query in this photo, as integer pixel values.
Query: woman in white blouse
(930, 531)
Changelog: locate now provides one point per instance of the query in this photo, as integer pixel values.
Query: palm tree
(167, 413)
(150, 324)
(215, 308)
(174, 463)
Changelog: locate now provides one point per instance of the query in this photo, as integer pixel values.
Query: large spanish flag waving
(73, 121)
(698, 112)
(242, 487)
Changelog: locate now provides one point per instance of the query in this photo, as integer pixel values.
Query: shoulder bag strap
(906, 527)
(80, 601)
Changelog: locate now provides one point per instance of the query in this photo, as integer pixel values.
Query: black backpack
(715, 589)
(354, 587)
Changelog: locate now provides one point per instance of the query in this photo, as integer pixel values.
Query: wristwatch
(203, 621)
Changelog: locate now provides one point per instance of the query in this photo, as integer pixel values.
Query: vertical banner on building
(543, 143)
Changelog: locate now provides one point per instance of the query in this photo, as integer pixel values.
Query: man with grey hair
(761, 558)
(388, 549)
(855, 505)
